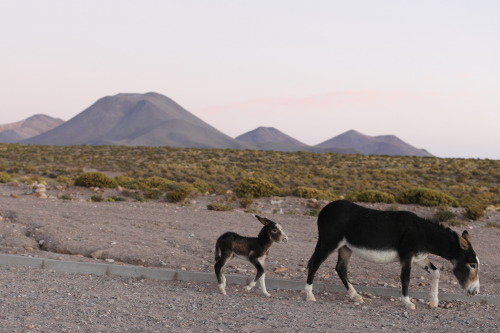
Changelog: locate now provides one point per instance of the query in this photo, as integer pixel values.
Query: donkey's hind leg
(341, 268)
(434, 272)
(321, 252)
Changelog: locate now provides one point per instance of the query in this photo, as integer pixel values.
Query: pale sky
(427, 71)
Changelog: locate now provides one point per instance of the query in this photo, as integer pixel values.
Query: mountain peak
(27, 128)
(268, 135)
(372, 145)
(270, 138)
(130, 119)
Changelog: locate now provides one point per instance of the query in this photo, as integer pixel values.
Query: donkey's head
(273, 229)
(466, 265)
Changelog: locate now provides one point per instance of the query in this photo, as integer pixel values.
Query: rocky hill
(24, 129)
(269, 138)
(372, 145)
(137, 120)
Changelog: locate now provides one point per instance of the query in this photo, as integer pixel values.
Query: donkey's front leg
(434, 272)
(405, 281)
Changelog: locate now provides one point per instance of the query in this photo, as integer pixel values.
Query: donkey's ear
(466, 235)
(464, 240)
(262, 220)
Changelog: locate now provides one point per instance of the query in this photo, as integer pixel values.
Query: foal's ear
(464, 240)
(466, 235)
(263, 220)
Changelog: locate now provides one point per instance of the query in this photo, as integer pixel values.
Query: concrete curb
(173, 275)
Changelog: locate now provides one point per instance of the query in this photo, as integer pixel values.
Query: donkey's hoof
(267, 294)
(433, 304)
(311, 298)
(410, 306)
(358, 299)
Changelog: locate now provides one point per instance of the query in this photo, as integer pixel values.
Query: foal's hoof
(410, 306)
(355, 296)
(433, 304)
(222, 290)
(358, 299)
(311, 298)
(267, 294)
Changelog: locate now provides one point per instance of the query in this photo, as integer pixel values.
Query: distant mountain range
(155, 120)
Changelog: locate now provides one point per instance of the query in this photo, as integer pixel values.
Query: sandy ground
(182, 237)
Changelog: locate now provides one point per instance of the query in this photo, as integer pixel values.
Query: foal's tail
(217, 252)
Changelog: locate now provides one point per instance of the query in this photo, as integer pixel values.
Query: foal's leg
(405, 281)
(260, 276)
(434, 272)
(341, 268)
(219, 265)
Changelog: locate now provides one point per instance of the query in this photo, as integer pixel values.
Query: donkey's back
(369, 228)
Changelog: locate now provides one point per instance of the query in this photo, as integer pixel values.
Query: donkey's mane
(438, 225)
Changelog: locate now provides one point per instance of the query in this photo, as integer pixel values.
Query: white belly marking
(375, 256)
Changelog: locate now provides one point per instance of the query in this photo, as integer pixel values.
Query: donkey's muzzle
(473, 289)
(284, 239)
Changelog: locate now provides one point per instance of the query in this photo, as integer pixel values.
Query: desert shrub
(95, 179)
(138, 197)
(39, 180)
(96, 198)
(246, 201)
(455, 223)
(65, 197)
(153, 193)
(256, 187)
(155, 182)
(202, 186)
(312, 212)
(492, 224)
(180, 193)
(474, 211)
(426, 197)
(5, 178)
(443, 215)
(63, 180)
(127, 182)
(372, 196)
(219, 206)
(312, 193)
(116, 198)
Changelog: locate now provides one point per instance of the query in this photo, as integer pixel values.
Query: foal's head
(273, 229)
(466, 266)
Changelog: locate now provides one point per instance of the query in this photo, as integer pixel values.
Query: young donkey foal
(390, 236)
(253, 249)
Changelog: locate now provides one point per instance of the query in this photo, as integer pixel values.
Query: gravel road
(35, 300)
